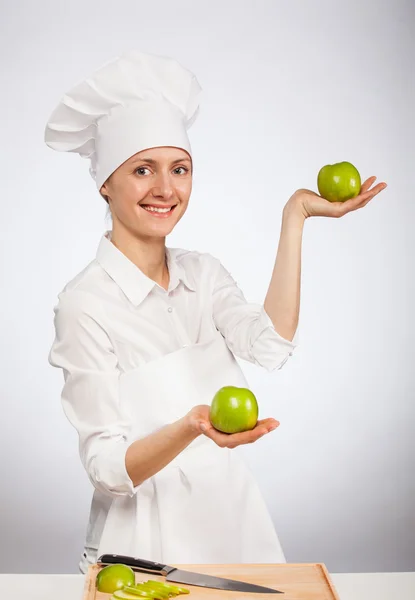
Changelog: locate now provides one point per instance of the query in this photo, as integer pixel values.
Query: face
(149, 193)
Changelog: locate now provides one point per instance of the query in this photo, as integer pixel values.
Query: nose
(163, 187)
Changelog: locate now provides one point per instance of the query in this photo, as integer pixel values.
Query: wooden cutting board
(297, 581)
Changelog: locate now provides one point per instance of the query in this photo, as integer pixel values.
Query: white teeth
(159, 210)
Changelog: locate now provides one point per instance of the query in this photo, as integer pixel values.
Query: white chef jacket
(111, 318)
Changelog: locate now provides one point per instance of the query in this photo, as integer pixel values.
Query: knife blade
(186, 577)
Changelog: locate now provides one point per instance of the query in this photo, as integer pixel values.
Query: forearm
(147, 456)
(282, 302)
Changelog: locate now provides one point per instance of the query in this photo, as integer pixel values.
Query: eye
(141, 169)
(184, 169)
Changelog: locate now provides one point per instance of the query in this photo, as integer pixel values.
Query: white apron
(205, 506)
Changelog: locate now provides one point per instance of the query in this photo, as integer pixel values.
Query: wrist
(189, 427)
(293, 216)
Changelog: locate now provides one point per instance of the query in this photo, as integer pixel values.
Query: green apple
(114, 577)
(234, 409)
(338, 182)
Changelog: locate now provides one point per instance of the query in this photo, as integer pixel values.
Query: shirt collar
(129, 278)
(178, 272)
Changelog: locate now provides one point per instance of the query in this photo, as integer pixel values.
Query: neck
(148, 254)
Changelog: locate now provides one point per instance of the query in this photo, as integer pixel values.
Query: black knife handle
(136, 563)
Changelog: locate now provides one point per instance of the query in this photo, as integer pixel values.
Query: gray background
(288, 87)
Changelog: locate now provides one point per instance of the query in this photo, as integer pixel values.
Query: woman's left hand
(199, 418)
(309, 204)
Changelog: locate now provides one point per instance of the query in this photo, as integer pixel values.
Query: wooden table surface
(297, 581)
(350, 586)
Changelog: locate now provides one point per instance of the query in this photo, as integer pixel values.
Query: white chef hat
(133, 102)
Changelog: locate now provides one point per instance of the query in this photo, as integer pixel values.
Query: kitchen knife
(186, 577)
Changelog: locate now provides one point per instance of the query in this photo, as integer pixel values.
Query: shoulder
(91, 279)
(81, 297)
(195, 262)
(205, 269)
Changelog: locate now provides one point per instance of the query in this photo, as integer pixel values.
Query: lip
(159, 205)
(159, 215)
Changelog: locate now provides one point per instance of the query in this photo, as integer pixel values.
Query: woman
(147, 334)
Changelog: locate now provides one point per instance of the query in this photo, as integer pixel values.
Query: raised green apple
(234, 409)
(338, 182)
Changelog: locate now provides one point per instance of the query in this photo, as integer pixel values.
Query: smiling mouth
(159, 212)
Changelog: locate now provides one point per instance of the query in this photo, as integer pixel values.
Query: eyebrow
(154, 162)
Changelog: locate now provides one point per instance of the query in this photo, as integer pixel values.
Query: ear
(104, 190)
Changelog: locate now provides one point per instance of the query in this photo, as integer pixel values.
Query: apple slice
(124, 595)
(174, 589)
(140, 591)
(156, 590)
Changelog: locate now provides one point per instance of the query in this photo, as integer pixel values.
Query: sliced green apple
(169, 586)
(124, 595)
(158, 591)
(140, 591)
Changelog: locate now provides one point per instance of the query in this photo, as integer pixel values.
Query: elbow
(271, 353)
(287, 332)
(270, 348)
(108, 474)
(109, 487)
(272, 364)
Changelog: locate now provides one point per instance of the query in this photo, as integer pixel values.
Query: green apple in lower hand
(234, 409)
(338, 182)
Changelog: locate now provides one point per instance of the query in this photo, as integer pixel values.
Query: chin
(160, 231)
(160, 227)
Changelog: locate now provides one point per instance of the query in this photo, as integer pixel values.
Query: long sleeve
(90, 398)
(246, 327)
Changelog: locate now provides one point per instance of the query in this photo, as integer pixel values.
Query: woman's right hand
(199, 420)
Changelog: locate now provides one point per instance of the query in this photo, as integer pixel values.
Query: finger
(262, 427)
(238, 439)
(359, 201)
(361, 204)
(208, 430)
(378, 188)
(248, 437)
(369, 198)
(221, 439)
(366, 184)
(270, 422)
(363, 197)
(355, 203)
(235, 439)
(364, 203)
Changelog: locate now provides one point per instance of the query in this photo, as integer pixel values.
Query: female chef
(146, 334)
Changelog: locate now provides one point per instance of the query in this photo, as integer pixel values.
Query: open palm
(313, 205)
(199, 417)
